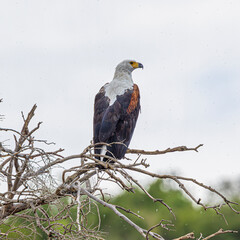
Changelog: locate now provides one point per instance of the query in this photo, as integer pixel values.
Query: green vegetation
(189, 218)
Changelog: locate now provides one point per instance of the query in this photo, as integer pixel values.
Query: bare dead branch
(26, 170)
(168, 150)
(181, 185)
(187, 236)
(220, 231)
(163, 223)
(114, 209)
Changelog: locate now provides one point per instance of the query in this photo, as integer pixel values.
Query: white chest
(117, 87)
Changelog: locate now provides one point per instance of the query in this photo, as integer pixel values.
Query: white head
(122, 79)
(127, 66)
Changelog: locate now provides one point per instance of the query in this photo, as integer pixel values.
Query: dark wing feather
(116, 123)
(109, 121)
(130, 106)
(101, 103)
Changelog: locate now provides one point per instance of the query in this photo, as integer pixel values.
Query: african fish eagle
(116, 110)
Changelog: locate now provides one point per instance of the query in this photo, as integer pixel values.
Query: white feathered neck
(121, 82)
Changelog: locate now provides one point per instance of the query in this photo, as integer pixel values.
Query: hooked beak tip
(140, 65)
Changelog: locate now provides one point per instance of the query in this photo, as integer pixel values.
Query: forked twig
(26, 169)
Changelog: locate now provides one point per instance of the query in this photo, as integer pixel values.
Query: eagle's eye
(131, 63)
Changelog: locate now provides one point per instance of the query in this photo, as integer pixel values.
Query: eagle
(116, 109)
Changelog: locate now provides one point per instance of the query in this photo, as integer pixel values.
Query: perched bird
(116, 110)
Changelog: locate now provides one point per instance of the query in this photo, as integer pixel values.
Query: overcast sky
(58, 54)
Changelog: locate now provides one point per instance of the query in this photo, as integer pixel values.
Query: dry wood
(26, 168)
